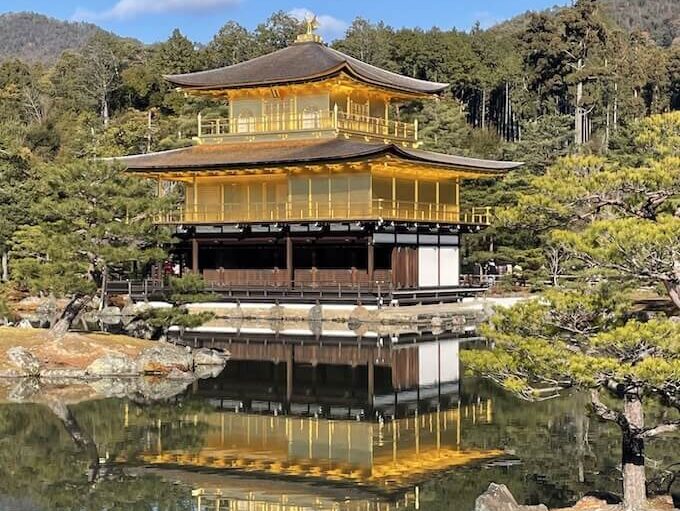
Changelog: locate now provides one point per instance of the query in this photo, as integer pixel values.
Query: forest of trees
(660, 18)
(34, 37)
(534, 89)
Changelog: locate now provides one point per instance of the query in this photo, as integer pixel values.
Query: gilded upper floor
(316, 180)
(307, 90)
(312, 134)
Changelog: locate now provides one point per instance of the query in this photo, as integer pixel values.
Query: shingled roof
(297, 63)
(259, 154)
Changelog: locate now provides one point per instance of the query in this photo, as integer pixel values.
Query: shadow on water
(301, 421)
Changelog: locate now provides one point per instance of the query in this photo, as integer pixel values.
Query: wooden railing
(264, 286)
(320, 120)
(303, 278)
(327, 211)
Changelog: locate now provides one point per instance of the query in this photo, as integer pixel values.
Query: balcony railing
(308, 122)
(327, 211)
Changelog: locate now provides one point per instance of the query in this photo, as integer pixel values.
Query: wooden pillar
(371, 383)
(194, 255)
(289, 261)
(315, 378)
(289, 376)
(457, 207)
(222, 201)
(371, 260)
(194, 184)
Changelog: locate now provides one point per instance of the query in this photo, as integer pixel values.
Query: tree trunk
(483, 108)
(673, 289)
(75, 306)
(105, 110)
(633, 456)
(578, 118)
(616, 106)
(607, 131)
(506, 119)
(148, 133)
(5, 266)
(105, 283)
(80, 437)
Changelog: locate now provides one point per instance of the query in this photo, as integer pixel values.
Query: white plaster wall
(438, 362)
(428, 266)
(449, 266)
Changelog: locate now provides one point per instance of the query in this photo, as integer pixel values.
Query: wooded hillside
(36, 38)
(660, 18)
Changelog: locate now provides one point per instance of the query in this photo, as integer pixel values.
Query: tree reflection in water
(554, 454)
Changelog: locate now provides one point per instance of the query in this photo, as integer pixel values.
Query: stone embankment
(40, 311)
(411, 315)
(32, 353)
(498, 498)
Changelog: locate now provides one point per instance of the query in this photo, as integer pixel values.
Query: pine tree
(92, 218)
(445, 128)
(618, 218)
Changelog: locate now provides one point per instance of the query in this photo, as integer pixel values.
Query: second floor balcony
(305, 211)
(306, 123)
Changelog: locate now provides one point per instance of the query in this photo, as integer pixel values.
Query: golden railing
(327, 211)
(301, 121)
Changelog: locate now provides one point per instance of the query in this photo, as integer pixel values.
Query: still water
(294, 423)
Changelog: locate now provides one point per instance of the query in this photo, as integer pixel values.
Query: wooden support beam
(194, 193)
(194, 255)
(289, 375)
(371, 260)
(371, 382)
(289, 260)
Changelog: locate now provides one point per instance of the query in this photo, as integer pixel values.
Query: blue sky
(153, 20)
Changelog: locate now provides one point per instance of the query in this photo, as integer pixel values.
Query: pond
(330, 422)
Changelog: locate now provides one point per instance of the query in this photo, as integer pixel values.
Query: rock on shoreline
(33, 354)
(497, 497)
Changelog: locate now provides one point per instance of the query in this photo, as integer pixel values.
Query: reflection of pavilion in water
(339, 375)
(318, 456)
(383, 459)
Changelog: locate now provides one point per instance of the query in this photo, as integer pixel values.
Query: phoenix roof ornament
(310, 35)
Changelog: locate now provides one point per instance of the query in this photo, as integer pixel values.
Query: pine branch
(661, 429)
(606, 413)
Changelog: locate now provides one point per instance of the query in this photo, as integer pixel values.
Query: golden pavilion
(313, 180)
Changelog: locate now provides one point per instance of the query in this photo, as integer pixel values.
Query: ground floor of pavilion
(346, 255)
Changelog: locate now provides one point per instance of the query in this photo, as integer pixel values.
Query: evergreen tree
(618, 218)
(585, 339)
(231, 45)
(445, 128)
(91, 218)
(17, 179)
(370, 43)
(277, 32)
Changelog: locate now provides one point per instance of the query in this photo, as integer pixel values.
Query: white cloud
(329, 26)
(126, 9)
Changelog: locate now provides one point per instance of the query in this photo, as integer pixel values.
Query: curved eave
(284, 162)
(475, 166)
(346, 67)
(467, 167)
